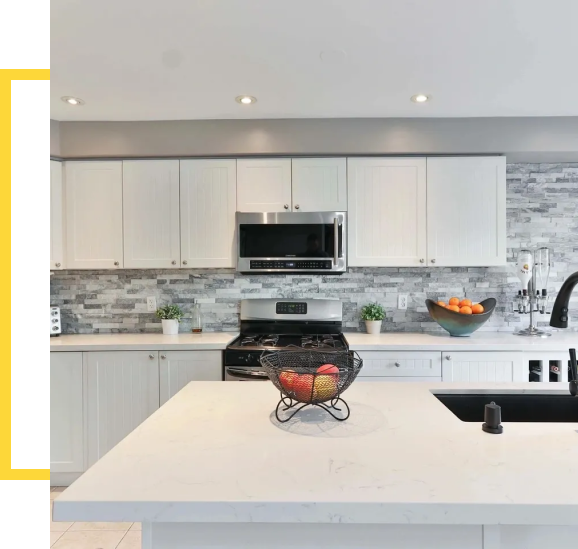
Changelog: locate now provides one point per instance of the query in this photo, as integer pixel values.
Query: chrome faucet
(559, 319)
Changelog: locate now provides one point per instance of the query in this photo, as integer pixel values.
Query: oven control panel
(291, 308)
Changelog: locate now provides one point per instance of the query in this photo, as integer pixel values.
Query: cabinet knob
(433, 260)
(184, 262)
(163, 356)
(397, 364)
(286, 206)
(116, 263)
(422, 260)
(151, 357)
(296, 206)
(57, 264)
(448, 357)
(173, 262)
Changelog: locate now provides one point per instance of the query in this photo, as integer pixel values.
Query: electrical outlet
(151, 304)
(402, 302)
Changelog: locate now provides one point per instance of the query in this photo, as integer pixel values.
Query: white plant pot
(373, 326)
(170, 327)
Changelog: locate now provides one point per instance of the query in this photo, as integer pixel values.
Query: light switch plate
(402, 302)
(151, 304)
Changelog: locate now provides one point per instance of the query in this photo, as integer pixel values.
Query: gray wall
(55, 138)
(542, 210)
(531, 139)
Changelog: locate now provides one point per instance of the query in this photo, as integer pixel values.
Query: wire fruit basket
(312, 378)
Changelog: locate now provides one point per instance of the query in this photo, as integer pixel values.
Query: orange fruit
(465, 310)
(442, 304)
(454, 308)
(454, 301)
(477, 309)
(466, 303)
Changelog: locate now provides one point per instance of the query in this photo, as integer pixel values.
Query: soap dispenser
(197, 321)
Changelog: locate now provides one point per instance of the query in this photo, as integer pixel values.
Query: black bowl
(458, 324)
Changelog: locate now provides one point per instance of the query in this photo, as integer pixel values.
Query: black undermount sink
(516, 408)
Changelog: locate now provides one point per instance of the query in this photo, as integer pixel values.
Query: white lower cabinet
(400, 366)
(66, 413)
(123, 391)
(483, 366)
(178, 368)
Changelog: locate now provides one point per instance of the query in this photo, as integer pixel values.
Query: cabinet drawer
(398, 379)
(400, 364)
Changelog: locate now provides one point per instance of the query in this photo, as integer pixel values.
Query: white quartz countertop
(142, 342)
(214, 453)
(478, 341)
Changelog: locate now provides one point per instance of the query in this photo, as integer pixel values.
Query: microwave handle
(335, 240)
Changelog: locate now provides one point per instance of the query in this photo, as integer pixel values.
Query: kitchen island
(213, 468)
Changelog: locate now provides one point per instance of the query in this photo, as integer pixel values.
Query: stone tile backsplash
(542, 210)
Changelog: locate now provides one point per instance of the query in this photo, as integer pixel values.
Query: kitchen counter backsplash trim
(542, 210)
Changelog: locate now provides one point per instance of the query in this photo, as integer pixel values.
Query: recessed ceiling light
(245, 99)
(419, 98)
(72, 100)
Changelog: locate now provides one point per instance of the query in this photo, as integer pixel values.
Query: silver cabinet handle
(433, 260)
(185, 262)
(397, 364)
(286, 206)
(116, 263)
(151, 357)
(296, 206)
(448, 357)
(163, 356)
(422, 260)
(173, 262)
(58, 264)
(335, 240)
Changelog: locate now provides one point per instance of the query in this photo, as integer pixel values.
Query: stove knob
(249, 357)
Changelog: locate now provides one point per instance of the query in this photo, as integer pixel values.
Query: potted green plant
(170, 316)
(373, 314)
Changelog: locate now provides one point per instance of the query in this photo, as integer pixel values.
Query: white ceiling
(188, 59)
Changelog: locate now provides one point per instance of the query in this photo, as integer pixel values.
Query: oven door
(292, 242)
(245, 373)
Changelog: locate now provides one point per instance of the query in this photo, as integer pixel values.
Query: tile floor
(92, 535)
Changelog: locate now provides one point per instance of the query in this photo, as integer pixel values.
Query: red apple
(287, 378)
(303, 387)
(329, 369)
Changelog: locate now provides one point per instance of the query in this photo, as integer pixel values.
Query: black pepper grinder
(574, 373)
(492, 419)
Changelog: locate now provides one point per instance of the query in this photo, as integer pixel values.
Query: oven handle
(335, 240)
(247, 374)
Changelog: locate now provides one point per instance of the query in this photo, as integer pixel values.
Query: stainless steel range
(269, 325)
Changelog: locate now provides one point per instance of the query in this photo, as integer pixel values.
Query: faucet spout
(559, 318)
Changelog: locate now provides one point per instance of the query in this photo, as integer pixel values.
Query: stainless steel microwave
(299, 242)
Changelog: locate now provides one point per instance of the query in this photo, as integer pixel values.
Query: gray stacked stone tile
(542, 210)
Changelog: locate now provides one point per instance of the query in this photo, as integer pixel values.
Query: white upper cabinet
(150, 207)
(386, 212)
(208, 204)
(93, 193)
(319, 184)
(264, 185)
(466, 211)
(56, 216)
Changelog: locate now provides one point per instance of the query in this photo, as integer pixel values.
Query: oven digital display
(291, 308)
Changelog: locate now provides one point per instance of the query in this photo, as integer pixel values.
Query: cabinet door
(264, 185)
(208, 204)
(56, 217)
(466, 211)
(150, 204)
(93, 192)
(123, 390)
(400, 364)
(386, 212)
(483, 366)
(319, 184)
(177, 368)
(66, 415)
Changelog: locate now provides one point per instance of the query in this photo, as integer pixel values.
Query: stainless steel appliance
(281, 242)
(55, 324)
(269, 325)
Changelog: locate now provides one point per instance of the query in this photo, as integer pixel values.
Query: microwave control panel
(291, 264)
